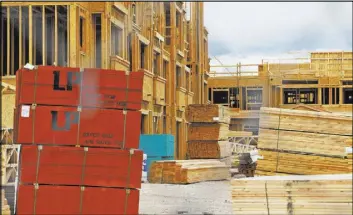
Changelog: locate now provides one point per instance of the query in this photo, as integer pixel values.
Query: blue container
(151, 159)
(157, 145)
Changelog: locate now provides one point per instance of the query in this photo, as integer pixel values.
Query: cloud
(250, 31)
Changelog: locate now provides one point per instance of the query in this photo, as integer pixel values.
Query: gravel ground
(200, 198)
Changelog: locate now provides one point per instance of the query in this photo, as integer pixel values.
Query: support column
(341, 95)
(280, 96)
(319, 100)
(330, 96)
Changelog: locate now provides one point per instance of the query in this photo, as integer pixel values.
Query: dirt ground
(201, 198)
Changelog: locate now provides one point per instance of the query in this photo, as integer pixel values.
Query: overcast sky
(250, 31)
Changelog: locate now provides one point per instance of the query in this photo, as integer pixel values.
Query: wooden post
(9, 39)
(56, 35)
(330, 96)
(319, 96)
(341, 95)
(30, 36)
(20, 37)
(280, 96)
(44, 39)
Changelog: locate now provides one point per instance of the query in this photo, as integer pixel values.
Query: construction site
(115, 108)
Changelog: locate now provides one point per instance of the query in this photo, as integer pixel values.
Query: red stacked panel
(58, 125)
(95, 110)
(46, 199)
(50, 85)
(81, 166)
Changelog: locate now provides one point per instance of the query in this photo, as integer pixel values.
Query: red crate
(64, 86)
(48, 199)
(58, 125)
(63, 165)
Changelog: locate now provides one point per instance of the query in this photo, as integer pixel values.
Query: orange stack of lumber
(303, 142)
(208, 132)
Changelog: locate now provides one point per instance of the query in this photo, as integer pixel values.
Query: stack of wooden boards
(187, 171)
(79, 135)
(303, 142)
(5, 208)
(208, 132)
(309, 194)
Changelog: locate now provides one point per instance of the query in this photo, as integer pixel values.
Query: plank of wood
(208, 131)
(306, 121)
(312, 194)
(332, 145)
(186, 172)
(240, 134)
(280, 162)
(207, 113)
(209, 149)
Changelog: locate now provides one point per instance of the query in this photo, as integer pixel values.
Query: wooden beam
(20, 37)
(56, 36)
(9, 39)
(319, 95)
(44, 40)
(30, 36)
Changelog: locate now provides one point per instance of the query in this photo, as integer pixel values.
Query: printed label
(215, 118)
(349, 150)
(25, 110)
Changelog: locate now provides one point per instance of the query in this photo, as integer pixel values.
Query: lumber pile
(207, 113)
(209, 149)
(309, 194)
(303, 142)
(5, 208)
(208, 131)
(187, 171)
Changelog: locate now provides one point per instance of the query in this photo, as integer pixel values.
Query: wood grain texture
(207, 113)
(208, 131)
(299, 164)
(209, 149)
(187, 171)
(324, 144)
(328, 194)
(306, 121)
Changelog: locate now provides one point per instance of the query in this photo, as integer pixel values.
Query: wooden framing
(329, 69)
(147, 25)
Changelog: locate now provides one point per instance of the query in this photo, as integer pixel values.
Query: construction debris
(187, 171)
(303, 142)
(312, 194)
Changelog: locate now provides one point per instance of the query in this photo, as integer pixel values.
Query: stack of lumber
(309, 194)
(349, 145)
(187, 171)
(208, 131)
(209, 149)
(5, 208)
(207, 113)
(303, 142)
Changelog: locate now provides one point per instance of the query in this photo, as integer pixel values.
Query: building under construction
(321, 82)
(167, 40)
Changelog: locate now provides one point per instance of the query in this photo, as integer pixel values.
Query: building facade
(166, 40)
(321, 82)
